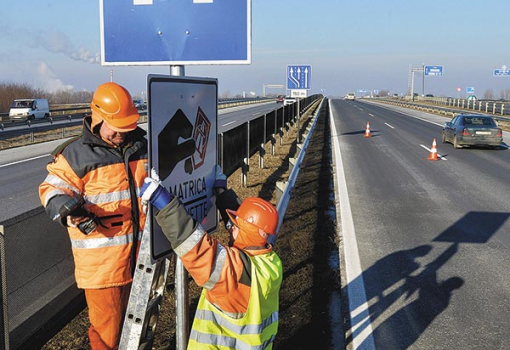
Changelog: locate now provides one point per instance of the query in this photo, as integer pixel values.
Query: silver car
(472, 130)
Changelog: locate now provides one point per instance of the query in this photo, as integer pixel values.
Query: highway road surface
(426, 243)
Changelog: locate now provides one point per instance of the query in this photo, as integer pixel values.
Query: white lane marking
(370, 114)
(362, 333)
(438, 155)
(23, 160)
(229, 123)
(389, 126)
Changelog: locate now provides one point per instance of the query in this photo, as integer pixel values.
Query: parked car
(280, 98)
(28, 109)
(472, 130)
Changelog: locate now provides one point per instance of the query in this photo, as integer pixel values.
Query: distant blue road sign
(177, 32)
(501, 73)
(299, 77)
(470, 90)
(434, 71)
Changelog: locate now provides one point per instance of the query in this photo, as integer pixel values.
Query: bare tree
(488, 94)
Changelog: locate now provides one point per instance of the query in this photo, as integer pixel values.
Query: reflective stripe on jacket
(109, 180)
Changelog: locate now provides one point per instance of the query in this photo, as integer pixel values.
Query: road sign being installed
(299, 77)
(177, 32)
(434, 71)
(182, 129)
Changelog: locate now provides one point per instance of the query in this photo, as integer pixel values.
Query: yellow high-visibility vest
(256, 330)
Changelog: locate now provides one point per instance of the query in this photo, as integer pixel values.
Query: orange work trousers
(107, 308)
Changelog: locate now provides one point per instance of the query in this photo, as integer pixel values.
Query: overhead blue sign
(177, 32)
(299, 77)
(434, 71)
(501, 72)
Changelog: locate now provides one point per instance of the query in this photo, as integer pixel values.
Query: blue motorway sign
(470, 90)
(299, 77)
(501, 72)
(177, 32)
(434, 71)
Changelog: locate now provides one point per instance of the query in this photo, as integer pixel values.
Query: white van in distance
(24, 109)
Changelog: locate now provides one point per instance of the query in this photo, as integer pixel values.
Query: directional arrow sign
(177, 32)
(299, 77)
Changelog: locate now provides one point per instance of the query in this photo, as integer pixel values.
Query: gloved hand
(153, 192)
(220, 184)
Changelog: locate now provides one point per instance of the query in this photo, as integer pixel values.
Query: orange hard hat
(114, 105)
(254, 214)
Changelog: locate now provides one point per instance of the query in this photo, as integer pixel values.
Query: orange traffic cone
(367, 131)
(433, 151)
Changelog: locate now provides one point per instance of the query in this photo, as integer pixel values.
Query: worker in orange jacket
(91, 188)
(238, 308)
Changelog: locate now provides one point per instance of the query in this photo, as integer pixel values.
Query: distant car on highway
(288, 100)
(280, 98)
(472, 130)
(350, 96)
(139, 104)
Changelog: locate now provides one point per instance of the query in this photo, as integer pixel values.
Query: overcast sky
(351, 45)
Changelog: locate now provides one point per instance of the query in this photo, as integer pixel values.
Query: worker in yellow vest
(238, 307)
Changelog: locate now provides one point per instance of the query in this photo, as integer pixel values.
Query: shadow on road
(404, 297)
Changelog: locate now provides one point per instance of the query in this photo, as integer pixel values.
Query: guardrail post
(246, 161)
(244, 172)
(292, 163)
(486, 107)
(262, 153)
(494, 108)
(502, 108)
(280, 189)
(479, 106)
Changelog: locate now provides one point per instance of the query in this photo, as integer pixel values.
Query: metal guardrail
(31, 323)
(448, 106)
(288, 186)
(74, 115)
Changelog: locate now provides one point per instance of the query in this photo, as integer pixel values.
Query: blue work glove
(221, 179)
(154, 193)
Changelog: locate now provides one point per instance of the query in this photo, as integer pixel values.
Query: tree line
(9, 91)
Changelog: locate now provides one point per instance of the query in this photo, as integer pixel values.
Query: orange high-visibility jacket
(224, 272)
(109, 179)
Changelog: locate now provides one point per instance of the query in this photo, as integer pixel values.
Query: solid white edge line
(361, 338)
(229, 123)
(24, 160)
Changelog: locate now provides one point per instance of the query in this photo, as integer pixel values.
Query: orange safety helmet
(114, 105)
(254, 215)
